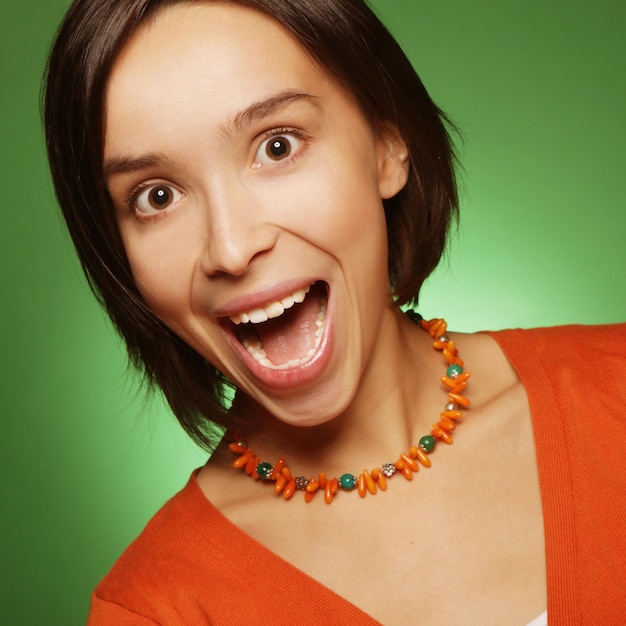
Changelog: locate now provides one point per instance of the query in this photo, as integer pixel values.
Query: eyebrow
(243, 119)
(123, 165)
(260, 110)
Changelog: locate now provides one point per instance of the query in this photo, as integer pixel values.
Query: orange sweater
(192, 566)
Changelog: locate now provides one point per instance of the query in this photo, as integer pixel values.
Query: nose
(238, 232)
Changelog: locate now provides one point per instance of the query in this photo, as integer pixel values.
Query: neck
(398, 398)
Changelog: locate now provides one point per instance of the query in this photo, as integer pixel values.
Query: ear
(393, 161)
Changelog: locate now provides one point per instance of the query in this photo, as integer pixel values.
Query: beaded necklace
(408, 463)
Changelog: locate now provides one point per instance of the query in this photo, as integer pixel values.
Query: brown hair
(346, 39)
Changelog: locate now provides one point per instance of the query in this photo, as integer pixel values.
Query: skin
(192, 102)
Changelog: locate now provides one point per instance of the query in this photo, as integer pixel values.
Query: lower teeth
(253, 345)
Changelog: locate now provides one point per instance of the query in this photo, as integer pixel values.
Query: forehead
(206, 55)
(224, 31)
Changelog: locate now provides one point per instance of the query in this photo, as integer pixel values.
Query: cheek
(336, 204)
(163, 272)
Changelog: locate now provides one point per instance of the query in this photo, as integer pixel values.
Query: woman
(254, 187)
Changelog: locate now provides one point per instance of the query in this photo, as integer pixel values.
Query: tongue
(292, 335)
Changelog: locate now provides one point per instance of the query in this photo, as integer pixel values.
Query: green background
(538, 90)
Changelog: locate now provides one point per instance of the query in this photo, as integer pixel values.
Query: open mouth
(286, 333)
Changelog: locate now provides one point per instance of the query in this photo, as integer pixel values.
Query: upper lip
(262, 298)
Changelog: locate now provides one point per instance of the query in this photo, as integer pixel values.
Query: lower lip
(294, 377)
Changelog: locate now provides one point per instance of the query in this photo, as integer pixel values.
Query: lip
(292, 377)
(263, 297)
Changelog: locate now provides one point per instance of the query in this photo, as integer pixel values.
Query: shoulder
(587, 359)
(586, 355)
(575, 382)
(191, 565)
(163, 561)
(160, 536)
(571, 341)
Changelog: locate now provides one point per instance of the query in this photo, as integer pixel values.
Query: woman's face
(248, 188)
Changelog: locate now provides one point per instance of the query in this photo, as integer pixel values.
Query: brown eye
(156, 198)
(159, 198)
(284, 146)
(278, 148)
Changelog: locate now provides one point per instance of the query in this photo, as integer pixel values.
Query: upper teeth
(271, 310)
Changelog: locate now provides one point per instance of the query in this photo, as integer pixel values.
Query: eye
(155, 199)
(280, 146)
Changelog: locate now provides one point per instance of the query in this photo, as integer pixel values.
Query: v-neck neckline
(556, 498)
(253, 551)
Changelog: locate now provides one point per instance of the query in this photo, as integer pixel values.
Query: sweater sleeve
(103, 613)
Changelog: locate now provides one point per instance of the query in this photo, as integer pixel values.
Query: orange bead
(251, 464)
(370, 482)
(287, 474)
(361, 485)
(406, 472)
(382, 482)
(422, 457)
(409, 462)
(308, 496)
(376, 472)
(437, 328)
(278, 468)
(448, 356)
(448, 382)
(321, 479)
(453, 415)
(458, 361)
(464, 377)
(334, 485)
(279, 485)
(439, 345)
(458, 388)
(290, 489)
(439, 433)
(239, 448)
(313, 486)
(424, 324)
(243, 459)
(446, 424)
(328, 493)
(457, 398)
(451, 347)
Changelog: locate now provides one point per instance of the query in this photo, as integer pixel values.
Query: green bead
(348, 482)
(264, 470)
(454, 370)
(427, 443)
